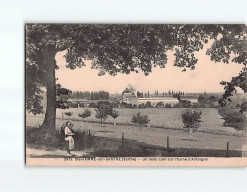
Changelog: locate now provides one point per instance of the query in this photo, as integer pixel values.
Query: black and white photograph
(135, 94)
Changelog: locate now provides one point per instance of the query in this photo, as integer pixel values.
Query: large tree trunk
(49, 124)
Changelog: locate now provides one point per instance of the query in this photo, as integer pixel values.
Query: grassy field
(168, 118)
(158, 137)
(154, 136)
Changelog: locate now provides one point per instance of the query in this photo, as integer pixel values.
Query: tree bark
(49, 124)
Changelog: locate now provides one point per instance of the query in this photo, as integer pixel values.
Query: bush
(134, 106)
(195, 105)
(168, 105)
(83, 139)
(85, 114)
(74, 105)
(93, 105)
(141, 105)
(114, 105)
(148, 105)
(126, 105)
(233, 118)
(140, 119)
(68, 113)
(81, 104)
(160, 105)
(185, 103)
(243, 107)
(177, 105)
(213, 99)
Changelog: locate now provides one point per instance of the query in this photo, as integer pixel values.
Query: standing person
(68, 137)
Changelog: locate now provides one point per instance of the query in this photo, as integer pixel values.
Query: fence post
(227, 149)
(144, 150)
(167, 143)
(122, 139)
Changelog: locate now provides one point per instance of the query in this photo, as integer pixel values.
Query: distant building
(130, 98)
(155, 100)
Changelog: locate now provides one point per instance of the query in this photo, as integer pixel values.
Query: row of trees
(191, 119)
(93, 95)
(158, 94)
(103, 110)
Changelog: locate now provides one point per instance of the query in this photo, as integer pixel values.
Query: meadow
(169, 121)
(165, 117)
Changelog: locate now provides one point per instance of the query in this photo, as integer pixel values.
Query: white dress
(68, 137)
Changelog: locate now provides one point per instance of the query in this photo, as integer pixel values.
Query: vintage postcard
(136, 95)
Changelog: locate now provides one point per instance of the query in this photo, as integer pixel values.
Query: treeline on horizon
(93, 95)
(105, 95)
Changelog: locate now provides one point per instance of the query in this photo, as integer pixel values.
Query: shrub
(68, 113)
(243, 107)
(141, 105)
(177, 105)
(140, 119)
(74, 105)
(185, 104)
(126, 105)
(83, 139)
(195, 105)
(148, 105)
(93, 105)
(114, 105)
(233, 118)
(168, 105)
(85, 114)
(114, 114)
(160, 105)
(191, 120)
(213, 99)
(236, 120)
(134, 106)
(81, 104)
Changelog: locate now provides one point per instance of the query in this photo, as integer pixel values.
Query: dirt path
(41, 152)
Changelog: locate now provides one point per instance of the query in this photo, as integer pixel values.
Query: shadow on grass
(194, 140)
(113, 147)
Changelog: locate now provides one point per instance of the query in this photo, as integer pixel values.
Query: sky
(205, 77)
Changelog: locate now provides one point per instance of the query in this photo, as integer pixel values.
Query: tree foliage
(191, 119)
(160, 105)
(233, 118)
(140, 119)
(114, 114)
(243, 107)
(230, 87)
(85, 114)
(62, 95)
(103, 111)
